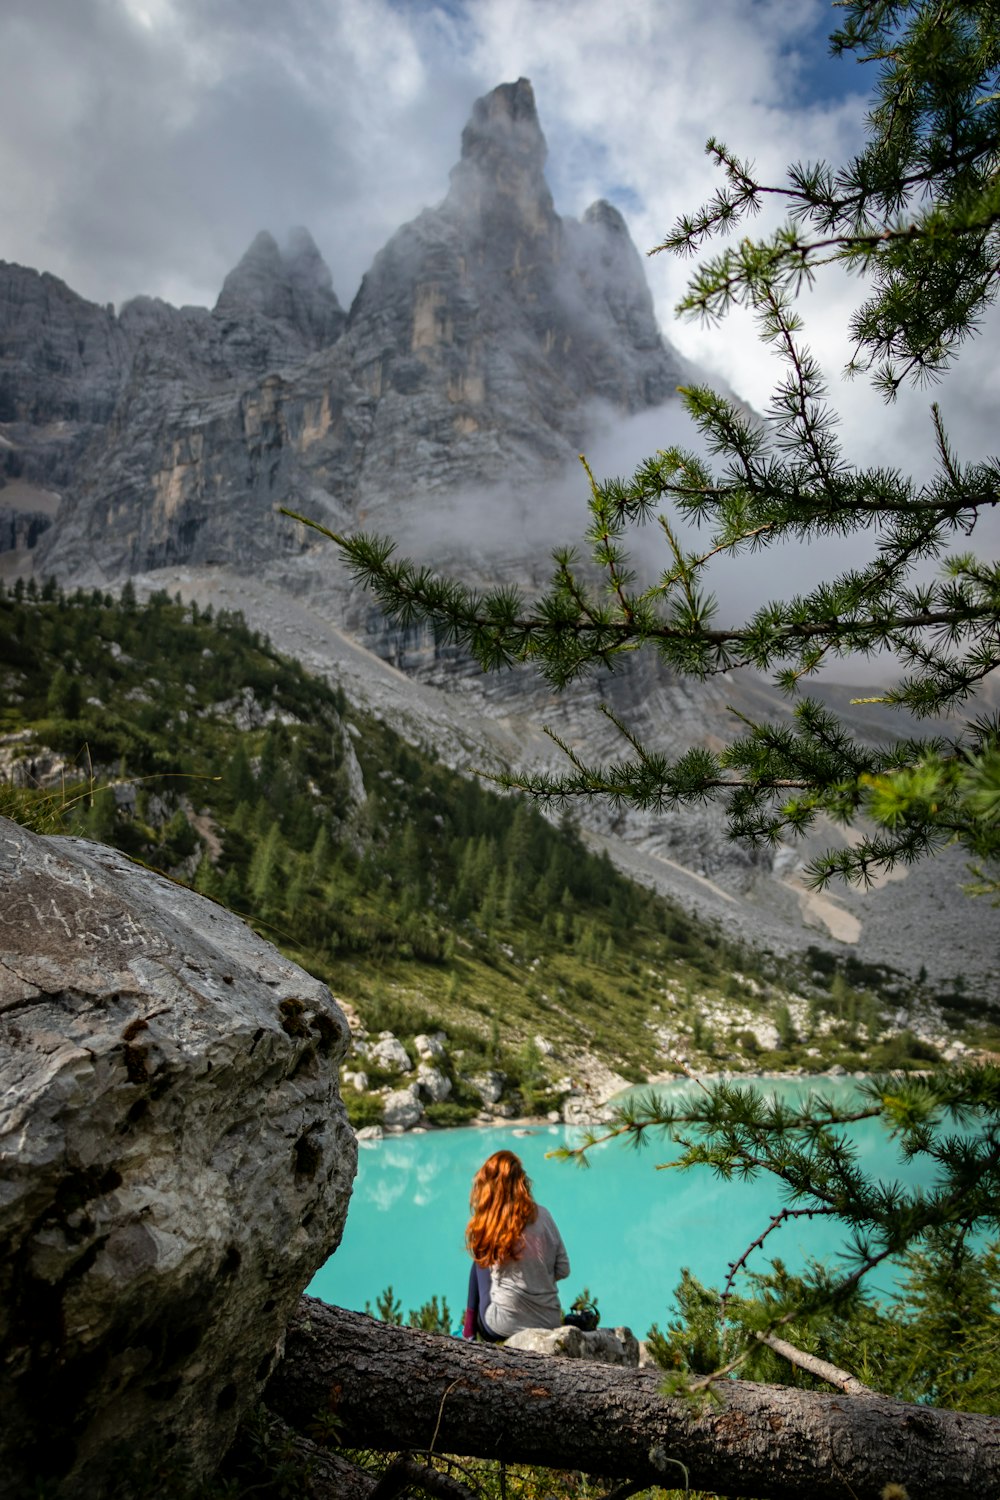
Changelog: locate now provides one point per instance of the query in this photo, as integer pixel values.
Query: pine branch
(813, 1365)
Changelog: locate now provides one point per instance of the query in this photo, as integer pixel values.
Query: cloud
(143, 143)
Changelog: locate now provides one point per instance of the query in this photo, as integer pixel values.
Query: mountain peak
(504, 123)
(304, 264)
(604, 215)
(290, 285)
(503, 158)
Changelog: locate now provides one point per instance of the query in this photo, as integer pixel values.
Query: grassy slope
(419, 896)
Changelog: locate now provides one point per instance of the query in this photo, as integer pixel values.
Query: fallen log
(395, 1388)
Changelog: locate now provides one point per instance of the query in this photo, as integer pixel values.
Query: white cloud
(143, 143)
(183, 126)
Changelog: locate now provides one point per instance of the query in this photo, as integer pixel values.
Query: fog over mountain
(490, 342)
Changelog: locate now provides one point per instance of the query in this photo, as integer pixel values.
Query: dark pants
(477, 1303)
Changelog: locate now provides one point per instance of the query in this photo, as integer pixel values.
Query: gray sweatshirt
(523, 1290)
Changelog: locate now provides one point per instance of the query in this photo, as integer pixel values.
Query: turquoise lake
(629, 1229)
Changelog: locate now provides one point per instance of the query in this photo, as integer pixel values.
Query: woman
(517, 1253)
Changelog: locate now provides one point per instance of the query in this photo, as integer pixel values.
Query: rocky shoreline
(586, 1111)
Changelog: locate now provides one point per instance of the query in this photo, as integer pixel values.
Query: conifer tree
(265, 867)
(915, 215)
(65, 695)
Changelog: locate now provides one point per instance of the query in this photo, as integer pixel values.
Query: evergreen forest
(426, 900)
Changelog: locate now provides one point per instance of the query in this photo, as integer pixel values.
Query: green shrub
(363, 1109)
(904, 1051)
(450, 1112)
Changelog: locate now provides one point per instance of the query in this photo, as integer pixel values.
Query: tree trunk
(395, 1388)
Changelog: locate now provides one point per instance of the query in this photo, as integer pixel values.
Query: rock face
(92, 403)
(472, 356)
(62, 369)
(486, 326)
(291, 286)
(175, 1162)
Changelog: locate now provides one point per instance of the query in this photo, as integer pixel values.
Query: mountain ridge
(486, 344)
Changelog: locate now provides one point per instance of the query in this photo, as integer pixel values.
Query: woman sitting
(517, 1253)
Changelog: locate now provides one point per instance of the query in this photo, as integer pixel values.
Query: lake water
(628, 1228)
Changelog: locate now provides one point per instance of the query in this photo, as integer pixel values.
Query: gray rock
(435, 1084)
(488, 1085)
(20, 529)
(604, 1346)
(430, 1048)
(291, 286)
(403, 1108)
(63, 364)
(577, 1109)
(175, 1163)
(565, 1341)
(390, 1053)
(630, 1345)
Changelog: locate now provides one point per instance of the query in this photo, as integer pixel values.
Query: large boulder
(435, 1084)
(175, 1163)
(488, 1085)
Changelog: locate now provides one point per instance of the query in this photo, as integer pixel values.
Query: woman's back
(517, 1251)
(523, 1290)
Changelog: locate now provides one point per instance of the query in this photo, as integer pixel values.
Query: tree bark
(395, 1388)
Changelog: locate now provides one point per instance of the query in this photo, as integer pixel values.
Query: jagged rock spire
(291, 285)
(257, 280)
(504, 124)
(503, 159)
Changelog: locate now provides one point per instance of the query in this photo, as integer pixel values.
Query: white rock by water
(403, 1108)
(435, 1084)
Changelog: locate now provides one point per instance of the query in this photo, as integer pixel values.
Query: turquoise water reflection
(628, 1228)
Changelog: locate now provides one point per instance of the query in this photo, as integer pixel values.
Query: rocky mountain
(473, 357)
(96, 420)
(488, 343)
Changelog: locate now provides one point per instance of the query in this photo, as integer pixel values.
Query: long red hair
(502, 1205)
